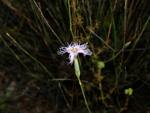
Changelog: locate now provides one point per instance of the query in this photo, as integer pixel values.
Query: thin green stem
(70, 20)
(89, 11)
(18, 58)
(102, 40)
(114, 56)
(77, 72)
(138, 38)
(99, 6)
(80, 83)
(30, 55)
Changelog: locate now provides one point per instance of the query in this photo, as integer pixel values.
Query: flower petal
(74, 49)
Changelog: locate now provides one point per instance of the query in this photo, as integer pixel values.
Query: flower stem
(77, 72)
(80, 83)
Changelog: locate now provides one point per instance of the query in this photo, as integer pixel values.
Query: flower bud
(77, 68)
(101, 65)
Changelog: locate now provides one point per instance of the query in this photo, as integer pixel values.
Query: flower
(74, 49)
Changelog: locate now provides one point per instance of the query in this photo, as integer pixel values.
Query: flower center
(74, 50)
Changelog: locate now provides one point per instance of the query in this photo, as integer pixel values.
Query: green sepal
(77, 68)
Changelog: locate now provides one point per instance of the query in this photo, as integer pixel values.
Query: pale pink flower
(74, 49)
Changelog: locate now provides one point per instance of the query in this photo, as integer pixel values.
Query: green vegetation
(35, 79)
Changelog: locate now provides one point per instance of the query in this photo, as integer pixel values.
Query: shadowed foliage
(35, 79)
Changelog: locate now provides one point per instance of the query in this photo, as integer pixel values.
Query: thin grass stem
(49, 73)
(70, 20)
(138, 38)
(102, 40)
(18, 58)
